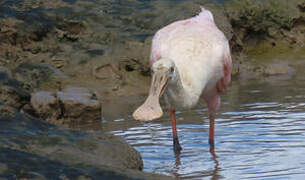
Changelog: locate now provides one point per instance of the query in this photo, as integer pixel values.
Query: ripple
(258, 136)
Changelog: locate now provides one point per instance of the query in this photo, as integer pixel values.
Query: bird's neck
(178, 95)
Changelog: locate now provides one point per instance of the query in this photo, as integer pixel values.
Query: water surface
(260, 134)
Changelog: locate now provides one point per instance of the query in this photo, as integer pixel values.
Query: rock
(256, 21)
(24, 165)
(32, 148)
(33, 75)
(105, 71)
(70, 30)
(13, 96)
(264, 31)
(79, 105)
(72, 106)
(46, 106)
(11, 91)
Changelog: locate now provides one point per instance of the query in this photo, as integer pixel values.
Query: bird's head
(163, 73)
(166, 67)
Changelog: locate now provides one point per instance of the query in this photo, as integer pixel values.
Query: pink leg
(177, 147)
(213, 104)
(211, 129)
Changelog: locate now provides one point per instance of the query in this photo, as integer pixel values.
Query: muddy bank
(105, 45)
(266, 33)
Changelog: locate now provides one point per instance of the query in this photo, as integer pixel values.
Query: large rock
(32, 148)
(72, 106)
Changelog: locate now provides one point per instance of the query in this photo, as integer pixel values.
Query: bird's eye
(172, 69)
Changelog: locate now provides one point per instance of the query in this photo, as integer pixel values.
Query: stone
(46, 105)
(33, 148)
(72, 106)
(11, 91)
(79, 105)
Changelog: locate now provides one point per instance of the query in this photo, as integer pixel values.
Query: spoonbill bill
(189, 59)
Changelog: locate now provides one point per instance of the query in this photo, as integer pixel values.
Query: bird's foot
(177, 147)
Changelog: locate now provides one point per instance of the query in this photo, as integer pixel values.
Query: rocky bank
(61, 59)
(33, 149)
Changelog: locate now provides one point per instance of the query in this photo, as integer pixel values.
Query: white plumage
(189, 58)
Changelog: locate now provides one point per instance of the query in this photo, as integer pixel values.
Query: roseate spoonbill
(189, 58)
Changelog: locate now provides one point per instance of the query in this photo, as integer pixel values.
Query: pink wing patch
(224, 82)
(227, 67)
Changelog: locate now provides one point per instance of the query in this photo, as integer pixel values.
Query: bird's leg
(177, 147)
(211, 129)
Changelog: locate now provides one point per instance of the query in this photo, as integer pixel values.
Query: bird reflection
(177, 156)
(215, 174)
(177, 164)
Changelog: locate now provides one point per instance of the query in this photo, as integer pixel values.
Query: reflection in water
(259, 134)
(216, 167)
(177, 164)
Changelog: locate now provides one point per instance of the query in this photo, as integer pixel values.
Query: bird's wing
(227, 67)
(205, 18)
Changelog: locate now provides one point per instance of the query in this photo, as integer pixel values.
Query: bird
(190, 60)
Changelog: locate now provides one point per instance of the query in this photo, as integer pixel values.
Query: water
(260, 134)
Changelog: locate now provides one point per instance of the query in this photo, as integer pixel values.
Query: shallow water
(260, 134)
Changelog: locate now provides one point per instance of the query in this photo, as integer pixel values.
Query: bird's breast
(196, 50)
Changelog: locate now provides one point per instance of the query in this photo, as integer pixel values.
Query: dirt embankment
(268, 36)
(105, 45)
